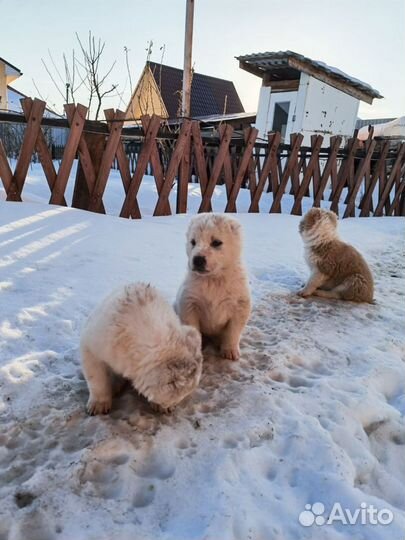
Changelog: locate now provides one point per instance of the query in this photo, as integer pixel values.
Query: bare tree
(82, 70)
(91, 64)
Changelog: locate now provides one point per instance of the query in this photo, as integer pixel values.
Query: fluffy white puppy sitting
(135, 333)
(215, 296)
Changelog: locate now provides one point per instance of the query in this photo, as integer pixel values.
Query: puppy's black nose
(199, 262)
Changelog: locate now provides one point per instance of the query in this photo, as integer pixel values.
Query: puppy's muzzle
(199, 264)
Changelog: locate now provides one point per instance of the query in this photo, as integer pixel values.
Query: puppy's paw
(98, 406)
(304, 293)
(231, 353)
(159, 409)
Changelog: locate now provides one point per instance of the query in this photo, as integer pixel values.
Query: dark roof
(208, 94)
(281, 66)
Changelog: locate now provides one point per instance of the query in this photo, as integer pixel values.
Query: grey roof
(372, 121)
(274, 61)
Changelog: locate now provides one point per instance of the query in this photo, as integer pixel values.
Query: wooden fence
(367, 180)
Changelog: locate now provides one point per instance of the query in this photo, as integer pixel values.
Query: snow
(313, 411)
(36, 190)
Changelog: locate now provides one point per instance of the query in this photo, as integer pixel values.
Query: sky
(364, 38)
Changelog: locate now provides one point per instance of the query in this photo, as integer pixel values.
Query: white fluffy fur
(136, 334)
(217, 301)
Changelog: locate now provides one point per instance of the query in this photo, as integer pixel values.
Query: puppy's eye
(216, 243)
(192, 242)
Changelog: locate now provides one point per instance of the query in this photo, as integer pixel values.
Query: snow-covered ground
(312, 413)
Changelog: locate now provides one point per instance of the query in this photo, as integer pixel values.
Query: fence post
(81, 195)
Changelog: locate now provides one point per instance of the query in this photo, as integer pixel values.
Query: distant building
(300, 95)
(159, 92)
(8, 74)
(10, 101)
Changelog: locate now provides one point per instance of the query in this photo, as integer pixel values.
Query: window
(280, 117)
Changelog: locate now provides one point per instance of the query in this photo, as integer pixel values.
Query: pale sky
(364, 38)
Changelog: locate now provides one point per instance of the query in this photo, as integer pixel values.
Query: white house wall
(265, 113)
(325, 110)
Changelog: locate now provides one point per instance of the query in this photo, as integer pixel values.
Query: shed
(301, 95)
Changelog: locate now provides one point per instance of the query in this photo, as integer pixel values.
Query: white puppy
(135, 333)
(215, 296)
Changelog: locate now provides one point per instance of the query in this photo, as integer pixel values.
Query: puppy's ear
(193, 338)
(333, 217)
(235, 226)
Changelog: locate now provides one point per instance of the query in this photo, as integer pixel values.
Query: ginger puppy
(337, 269)
(215, 296)
(135, 333)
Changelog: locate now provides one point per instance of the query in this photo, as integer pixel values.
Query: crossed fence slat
(276, 205)
(216, 170)
(270, 161)
(358, 177)
(329, 170)
(390, 182)
(163, 201)
(309, 172)
(143, 158)
(344, 174)
(27, 148)
(75, 133)
(366, 202)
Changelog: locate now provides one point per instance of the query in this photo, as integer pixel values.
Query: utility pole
(188, 46)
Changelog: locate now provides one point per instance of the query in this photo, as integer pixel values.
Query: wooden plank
(344, 172)
(6, 173)
(216, 169)
(90, 151)
(228, 169)
(274, 177)
(366, 206)
(385, 197)
(181, 143)
(106, 162)
(69, 154)
(86, 160)
(295, 171)
(269, 162)
(27, 148)
(316, 175)
(330, 166)
(313, 162)
(156, 162)
(367, 172)
(143, 160)
(251, 168)
(365, 162)
(395, 207)
(42, 149)
(184, 178)
(243, 166)
(292, 159)
(200, 161)
(123, 165)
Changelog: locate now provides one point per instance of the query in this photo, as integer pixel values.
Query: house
(300, 95)
(8, 74)
(10, 101)
(159, 92)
